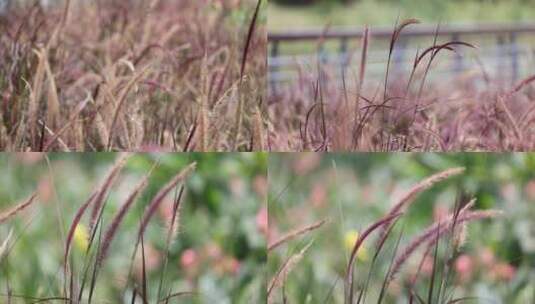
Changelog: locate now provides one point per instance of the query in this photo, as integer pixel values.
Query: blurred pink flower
(318, 195)
(504, 271)
(529, 189)
(237, 186)
(29, 158)
(231, 265)
(509, 192)
(367, 192)
(464, 267)
(305, 162)
(190, 263)
(273, 233)
(189, 259)
(44, 189)
(213, 251)
(260, 185)
(486, 257)
(262, 221)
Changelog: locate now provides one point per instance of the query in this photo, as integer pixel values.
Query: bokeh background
(219, 251)
(495, 264)
(286, 14)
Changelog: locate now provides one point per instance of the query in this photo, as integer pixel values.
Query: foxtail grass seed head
(118, 218)
(282, 274)
(159, 197)
(436, 231)
(258, 131)
(104, 188)
(10, 213)
(295, 233)
(409, 196)
(4, 248)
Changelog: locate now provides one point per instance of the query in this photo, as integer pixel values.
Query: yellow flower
(349, 241)
(81, 237)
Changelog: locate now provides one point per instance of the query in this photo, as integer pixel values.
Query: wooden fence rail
(415, 31)
(504, 34)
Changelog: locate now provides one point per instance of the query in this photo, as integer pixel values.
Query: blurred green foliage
(355, 190)
(219, 251)
(385, 12)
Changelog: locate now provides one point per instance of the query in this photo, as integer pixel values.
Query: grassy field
(149, 75)
(384, 13)
(333, 107)
(208, 244)
(321, 204)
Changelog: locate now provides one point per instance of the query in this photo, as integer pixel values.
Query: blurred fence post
(344, 56)
(273, 68)
(344, 50)
(501, 53)
(322, 60)
(514, 56)
(399, 56)
(458, 57)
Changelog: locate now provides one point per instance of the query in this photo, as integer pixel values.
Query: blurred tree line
(401, 2)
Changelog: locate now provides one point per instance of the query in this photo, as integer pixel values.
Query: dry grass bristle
(437, 230)
(4, 248)
(348, 283)
(283, 272)
(295, 233)
(102, 191)
(11, 212)
(408, 197)
(159, 197)
(118, 218)
(258, 131)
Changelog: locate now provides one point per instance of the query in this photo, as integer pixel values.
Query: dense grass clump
(170, 233)
(405, 111)
(451, 227)
(133, 75)
(396, 227)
